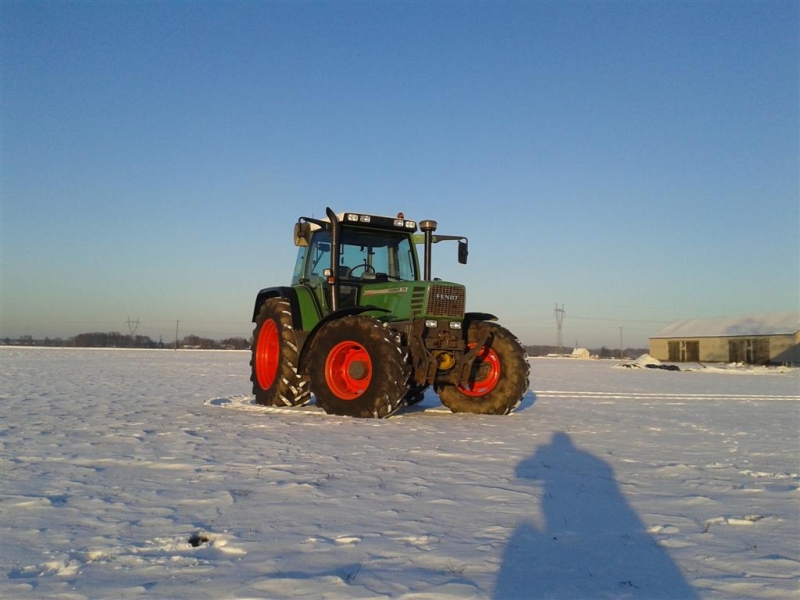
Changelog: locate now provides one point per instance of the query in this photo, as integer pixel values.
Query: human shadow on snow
(591, 543)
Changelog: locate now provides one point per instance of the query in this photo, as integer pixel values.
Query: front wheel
(499, 377)
(276, 381)
(358, 368)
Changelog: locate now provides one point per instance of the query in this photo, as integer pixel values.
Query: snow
(785, 323)
(151, 473)
(643, 362)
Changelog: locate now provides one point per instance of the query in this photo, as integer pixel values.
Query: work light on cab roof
(398, 222)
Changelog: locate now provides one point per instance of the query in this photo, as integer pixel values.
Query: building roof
(787, 323)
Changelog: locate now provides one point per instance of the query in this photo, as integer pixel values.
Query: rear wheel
(499, 378)
(358, 368)
(273, 363)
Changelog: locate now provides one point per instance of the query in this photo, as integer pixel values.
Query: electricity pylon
(560, 313)
(133, 326)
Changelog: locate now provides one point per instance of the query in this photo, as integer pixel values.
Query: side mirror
(463, 252)
(302, 234)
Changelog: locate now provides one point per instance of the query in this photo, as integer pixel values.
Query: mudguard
(304, 306)
(344, 312)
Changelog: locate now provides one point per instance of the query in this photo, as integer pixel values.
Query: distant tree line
(112, 339)
(115, 339)
(201, 343)
(603, 352)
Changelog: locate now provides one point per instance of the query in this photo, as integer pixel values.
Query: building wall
(775, 348)
(658, 348)
(786, 350)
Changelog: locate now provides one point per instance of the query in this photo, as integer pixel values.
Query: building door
(754, 351)
(736, 351)
(691, 352)
(674, 351)
(684, 351)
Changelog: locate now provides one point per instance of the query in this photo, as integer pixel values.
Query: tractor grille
(446, 301)
(417, 300)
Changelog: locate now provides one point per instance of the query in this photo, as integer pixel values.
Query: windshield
(367, 253)
(363, 256)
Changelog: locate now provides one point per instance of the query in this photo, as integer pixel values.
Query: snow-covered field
(150, 473)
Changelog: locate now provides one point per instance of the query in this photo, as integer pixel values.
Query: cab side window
(319, 255)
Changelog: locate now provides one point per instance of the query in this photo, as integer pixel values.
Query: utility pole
(176, 335)
(621, 347)
(560, 313)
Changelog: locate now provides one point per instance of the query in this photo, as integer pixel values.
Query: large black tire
(358, 368)
(273, 361)
(500, 375)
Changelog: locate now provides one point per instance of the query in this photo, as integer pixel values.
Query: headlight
(431, 323)
(455, 324)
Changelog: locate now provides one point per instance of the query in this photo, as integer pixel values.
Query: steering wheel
(367, 269)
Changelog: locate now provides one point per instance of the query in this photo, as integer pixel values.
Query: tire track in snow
(247, 402)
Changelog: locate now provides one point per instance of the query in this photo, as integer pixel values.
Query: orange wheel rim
(267, 354)
(486, 359)
(348, 370)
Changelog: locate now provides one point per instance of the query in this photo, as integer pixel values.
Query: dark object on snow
(664, 367)
(198, 539)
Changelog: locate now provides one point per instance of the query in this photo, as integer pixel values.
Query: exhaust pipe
(428, 227)
(334, 278)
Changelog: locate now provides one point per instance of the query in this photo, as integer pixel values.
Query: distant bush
(115, 339)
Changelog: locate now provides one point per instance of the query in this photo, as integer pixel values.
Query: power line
(620, 320)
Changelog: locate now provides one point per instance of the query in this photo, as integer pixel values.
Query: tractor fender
(472, 317)
(292, 294)
(308, 346)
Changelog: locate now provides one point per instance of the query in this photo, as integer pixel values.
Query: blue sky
(636, 162)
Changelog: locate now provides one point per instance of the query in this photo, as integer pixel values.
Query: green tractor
(364, 331)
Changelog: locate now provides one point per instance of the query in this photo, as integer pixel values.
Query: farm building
(755, 339)
(581, 353)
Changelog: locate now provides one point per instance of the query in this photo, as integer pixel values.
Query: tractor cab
(364, 255)
(343, 256)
